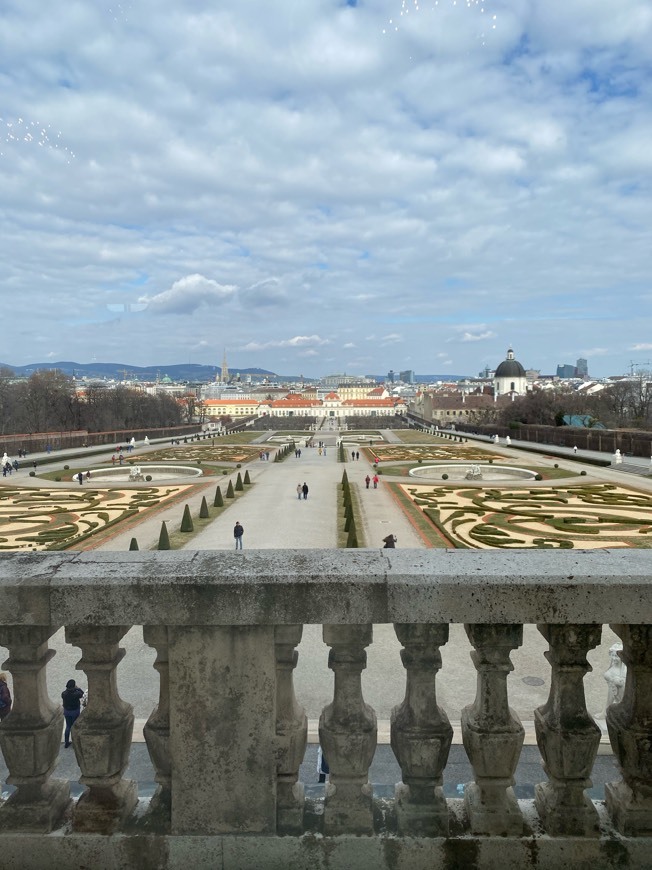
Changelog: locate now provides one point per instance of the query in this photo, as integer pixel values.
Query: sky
(322, 186)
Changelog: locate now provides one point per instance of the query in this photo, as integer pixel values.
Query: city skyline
(327, 186)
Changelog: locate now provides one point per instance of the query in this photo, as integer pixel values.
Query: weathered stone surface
(31, 735)
(222, 729)
(291, 733)
(492, 733)
(290, 587)
(157, 728)
(347, 733)
(384, 852)
(630, 733)
(567, 736)
(102, 734)
(421, 734)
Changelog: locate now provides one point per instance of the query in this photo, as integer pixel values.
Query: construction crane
(637, 365)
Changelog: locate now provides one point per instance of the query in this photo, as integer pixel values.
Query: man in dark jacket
(304, 490)
(238, 532)
(71, 698)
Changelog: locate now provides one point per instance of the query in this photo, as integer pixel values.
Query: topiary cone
(246, 477)
(229, 490)
(238, 483)
(164, 538)
(203, 510)
(218, 501)
(133, 545)
(186, 521)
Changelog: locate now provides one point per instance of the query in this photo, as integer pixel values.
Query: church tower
(224, 378)
(509, 377)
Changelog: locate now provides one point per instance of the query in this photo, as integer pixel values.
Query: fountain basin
(471, 472)
(127, 473)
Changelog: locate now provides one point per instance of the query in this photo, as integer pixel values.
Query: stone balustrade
(228, 734)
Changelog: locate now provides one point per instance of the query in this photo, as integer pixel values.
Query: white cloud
(293, 170)
(641, 346)
(477, 336)
(297, 341)
(187, 294)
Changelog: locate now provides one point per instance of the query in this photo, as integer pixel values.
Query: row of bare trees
(47, 402)
(625, 404)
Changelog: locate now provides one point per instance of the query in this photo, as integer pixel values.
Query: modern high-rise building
(407, 376)
(566, 371)
(582, 367)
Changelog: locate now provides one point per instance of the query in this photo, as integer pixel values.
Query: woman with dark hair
(71, 698)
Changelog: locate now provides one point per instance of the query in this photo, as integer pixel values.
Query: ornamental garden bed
(593, 516)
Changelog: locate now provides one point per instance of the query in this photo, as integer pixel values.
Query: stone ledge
(268, 587)
(151, 851)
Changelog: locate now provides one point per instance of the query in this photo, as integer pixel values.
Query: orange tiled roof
(231, 402)
(372, 403)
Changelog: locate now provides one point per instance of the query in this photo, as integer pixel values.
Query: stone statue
(615, 675)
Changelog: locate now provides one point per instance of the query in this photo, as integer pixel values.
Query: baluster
(291, 733)
(31, 735)
(347, 732)
(492, 733)
(630, 732)
(101, 737)
(157, 727)
(567, 736)
(421, 734)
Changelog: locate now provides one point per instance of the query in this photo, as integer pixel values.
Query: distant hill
(124, 371)
(423, 379)
(179, 372)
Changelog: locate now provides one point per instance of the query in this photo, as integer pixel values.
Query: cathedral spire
(225, 370)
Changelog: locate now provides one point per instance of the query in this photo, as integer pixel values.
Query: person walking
(80, 478)
(376, 479)
(575, 449)
(367, 480)
(304, 490)
(5, 697)
(238, 532)
(299, 490)
(71, 698)
(390, 542)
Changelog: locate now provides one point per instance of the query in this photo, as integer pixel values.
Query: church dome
(510, 367)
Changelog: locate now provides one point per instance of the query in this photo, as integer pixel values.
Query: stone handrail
(231, 622)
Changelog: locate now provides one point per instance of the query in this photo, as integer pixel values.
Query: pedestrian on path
(357, 454)
(80, 478)
(575, 449)
(238, 532)
(304, 490)
(390, 542)
(299, 490)
(367, 480)
(5, 697)
(71, 698)
(353, 455)
(376, 479)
